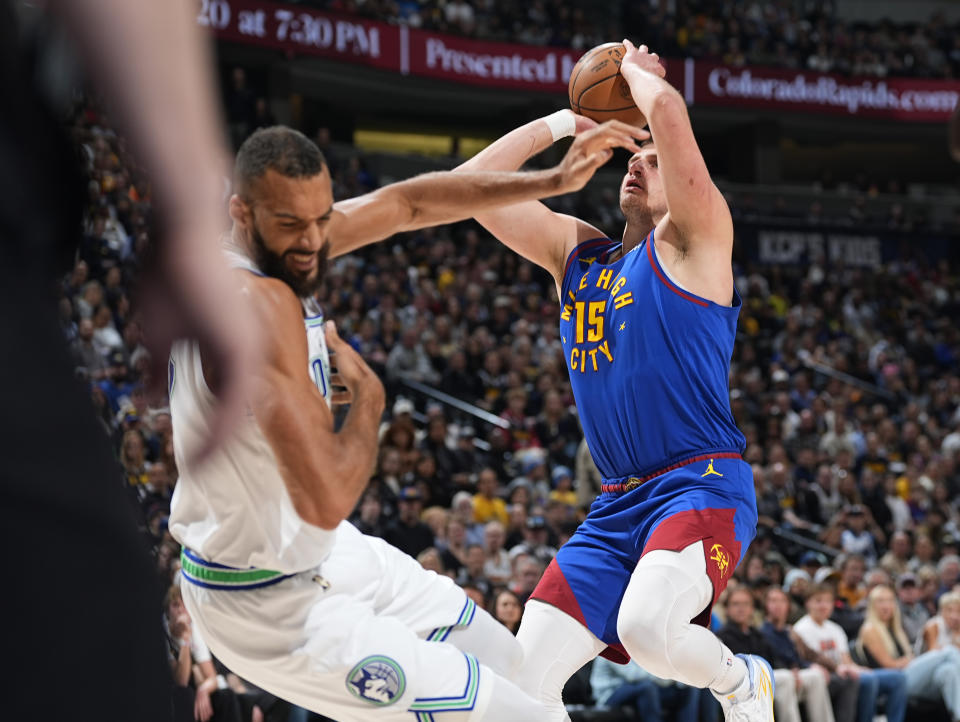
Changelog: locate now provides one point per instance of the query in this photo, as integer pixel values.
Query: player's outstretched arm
(325, 471)
(531, 229)
(435, 198)
(696, 207)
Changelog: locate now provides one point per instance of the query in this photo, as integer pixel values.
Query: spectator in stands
(472, 574)
(874, 578)
(407, 533)
(462, 508)
(86, 353)
(534, 542)
(924, 552)
(828, 639)
(369, 518)
(811, 562)
(933, 676)
(563, 492)
(527, 572)
(795, 586)
(813, 683)
(407, 361)
(517, 528)
(508, 610)
(201, 694)
(943, 630)
(557, 429)
(948, 571)
(497, 565)
(896, 560)
(429, 559)
(850, 588)
(487, 506)
(106, 338)
(436, 445)
(133, 458)
(654, 699)
(466, 457)
(454, 552)
(913, 614)
(856, 538)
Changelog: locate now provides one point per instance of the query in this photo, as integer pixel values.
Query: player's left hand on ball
(592, 148)
(642, 58)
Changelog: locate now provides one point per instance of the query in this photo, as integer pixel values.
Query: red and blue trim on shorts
(678, 505)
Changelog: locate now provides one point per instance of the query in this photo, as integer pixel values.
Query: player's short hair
(284, 150)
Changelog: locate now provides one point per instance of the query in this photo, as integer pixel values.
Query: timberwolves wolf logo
(378, 680)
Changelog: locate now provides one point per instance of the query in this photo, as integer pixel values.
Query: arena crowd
(850, 585)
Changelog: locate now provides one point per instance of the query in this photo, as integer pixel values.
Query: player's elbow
(413, 202)
(326, 507)
(338, 484)
(324, 517)
(667, 110)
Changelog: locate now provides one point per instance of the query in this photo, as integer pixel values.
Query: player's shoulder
(274, 302)
(272, 292)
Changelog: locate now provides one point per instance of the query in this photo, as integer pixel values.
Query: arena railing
(465, 409)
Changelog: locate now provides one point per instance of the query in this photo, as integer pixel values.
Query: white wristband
(561, 124)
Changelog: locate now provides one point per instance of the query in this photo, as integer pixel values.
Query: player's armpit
(324, 471)
(538, 234)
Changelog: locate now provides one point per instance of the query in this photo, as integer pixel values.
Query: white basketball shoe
(756, 704)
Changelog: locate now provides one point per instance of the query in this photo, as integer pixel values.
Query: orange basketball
(598, 91)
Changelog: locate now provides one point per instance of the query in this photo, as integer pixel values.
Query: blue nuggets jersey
(648, 361)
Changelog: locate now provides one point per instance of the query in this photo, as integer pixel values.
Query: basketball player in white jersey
(283, 590)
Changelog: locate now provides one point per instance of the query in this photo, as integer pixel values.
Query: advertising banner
(301, 31)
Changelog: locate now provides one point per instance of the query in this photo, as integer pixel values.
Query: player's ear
(240, 211)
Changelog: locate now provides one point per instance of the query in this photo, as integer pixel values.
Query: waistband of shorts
(629, 483)
(211, 575)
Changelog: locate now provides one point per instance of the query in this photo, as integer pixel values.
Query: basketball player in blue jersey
(647, 325)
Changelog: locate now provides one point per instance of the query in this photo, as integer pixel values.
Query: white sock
(732, 678)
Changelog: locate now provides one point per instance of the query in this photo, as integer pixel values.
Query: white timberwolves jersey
(235, 509)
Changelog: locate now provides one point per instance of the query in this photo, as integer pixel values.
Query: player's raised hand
(642, 58)
(594, 147)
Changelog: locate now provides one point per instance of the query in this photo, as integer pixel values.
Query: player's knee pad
(644, 625)
(667, 590)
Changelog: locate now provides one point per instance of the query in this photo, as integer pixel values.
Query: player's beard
(274, 265)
